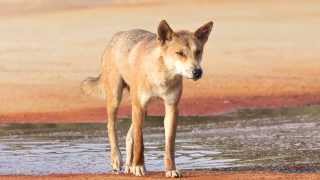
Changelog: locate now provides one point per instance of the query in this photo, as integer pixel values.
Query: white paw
(138, 170)
(173, 174)
(116, 165)
(116, 162)
(127, 169)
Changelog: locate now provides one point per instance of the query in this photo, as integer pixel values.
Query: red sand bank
(189, 107)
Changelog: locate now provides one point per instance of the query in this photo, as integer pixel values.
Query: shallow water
(280, 140)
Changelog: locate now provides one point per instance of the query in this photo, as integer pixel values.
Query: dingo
(148, 65)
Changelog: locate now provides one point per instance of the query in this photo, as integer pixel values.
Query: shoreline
(212, 175)
(202, 106)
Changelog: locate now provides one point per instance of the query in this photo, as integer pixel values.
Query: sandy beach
(262, 54)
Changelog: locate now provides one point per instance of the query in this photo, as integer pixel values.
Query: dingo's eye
(181, 53)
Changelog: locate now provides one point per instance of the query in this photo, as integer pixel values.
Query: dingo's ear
(164, 32)
(203, 32)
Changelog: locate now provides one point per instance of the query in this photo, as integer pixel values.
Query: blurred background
(262, 53)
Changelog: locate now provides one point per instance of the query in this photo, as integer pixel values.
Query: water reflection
(284, 139)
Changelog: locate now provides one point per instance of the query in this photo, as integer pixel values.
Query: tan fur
(150, 66)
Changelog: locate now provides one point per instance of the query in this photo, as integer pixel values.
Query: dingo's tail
(92, 87)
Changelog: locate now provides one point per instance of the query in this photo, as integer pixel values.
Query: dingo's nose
(197, 73)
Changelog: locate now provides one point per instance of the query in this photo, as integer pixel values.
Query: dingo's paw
(127, 169)
(116, 165)
(137, 170)
(116, 162)
(173, 174)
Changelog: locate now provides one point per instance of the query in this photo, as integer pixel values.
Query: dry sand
(260, 54)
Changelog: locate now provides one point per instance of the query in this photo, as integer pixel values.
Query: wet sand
(280, 140)
(206, 175)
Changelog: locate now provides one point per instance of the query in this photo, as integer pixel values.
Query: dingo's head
(182, 50)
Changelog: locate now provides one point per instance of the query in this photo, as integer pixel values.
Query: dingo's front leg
(170, 126)
(116, 161)
(114, 95)
(129, 150)
(138, 114)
